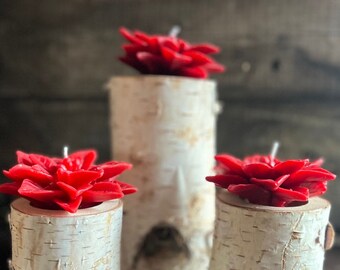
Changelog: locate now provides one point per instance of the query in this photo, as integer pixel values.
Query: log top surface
(314, 203)
(24, 206)
(157, 78)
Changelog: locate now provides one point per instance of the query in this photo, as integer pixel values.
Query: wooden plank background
(283, 81)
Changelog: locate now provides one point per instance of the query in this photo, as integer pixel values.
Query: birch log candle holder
(269, 215)
(249, 236)
(164, 123)
(165, 126)
(55, 239)
(71, 213)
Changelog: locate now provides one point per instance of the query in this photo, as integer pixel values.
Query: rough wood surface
(56, 240)
(271, 47)
(250, 237)
(165, 126)
(282, 83)
(46, 125)
(282, 57)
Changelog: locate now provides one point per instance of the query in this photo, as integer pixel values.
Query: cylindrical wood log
(165, 126)
(54, 239)
(249, 236)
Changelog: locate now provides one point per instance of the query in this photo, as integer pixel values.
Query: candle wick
(275, 147)
(175, 30)
(65, 151)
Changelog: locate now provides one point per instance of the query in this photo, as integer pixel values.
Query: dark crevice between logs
(162, 241)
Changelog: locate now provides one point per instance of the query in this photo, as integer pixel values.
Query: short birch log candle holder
(165, 127)
(55, 239)
(249, 236)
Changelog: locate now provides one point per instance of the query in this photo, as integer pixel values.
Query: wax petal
(270, 184)
(195, 72)
(315, 188)
(175, 60)
(126, 188)
(70, 206)
(112, 169)
(23, 158)
(39, 168)
(142, 36)
(198, 58)
(131, 37)
(308, 175)
(289, 166)
(49, 164)
(102, 192)
(215, 67)
(154, 45)
(78, 178)
(132, 49)
(30, 189)
(302, 190)
(290, 195)
(152, 62)
(205, 48)
(171, 43)
(258, 170)
(20, 172)
(253, 193)
(87, 158)
(278, 202)
(316, 164)
(10, 188)
(225, 180)
(234, 165)
(72, 192)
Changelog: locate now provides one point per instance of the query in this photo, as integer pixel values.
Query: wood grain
(283, 80)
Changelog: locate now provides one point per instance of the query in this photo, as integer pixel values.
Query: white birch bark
(54, 239)
(249, 236)
(165, 126)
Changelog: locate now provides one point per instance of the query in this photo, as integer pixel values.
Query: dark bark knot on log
(163, 240)
(296, 235)
(276, 64)
(329, 238)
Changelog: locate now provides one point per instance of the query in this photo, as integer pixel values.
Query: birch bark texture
(56, 240)
(250, 237)
(165, 127)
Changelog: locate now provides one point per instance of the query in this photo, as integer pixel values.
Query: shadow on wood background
(283, 81)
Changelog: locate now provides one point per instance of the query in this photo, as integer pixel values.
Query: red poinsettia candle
(265, 180)
(70, 215)
(277, 220)
(168, 55)
(67, 183)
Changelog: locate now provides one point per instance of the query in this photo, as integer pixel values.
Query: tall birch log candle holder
(165, 126)
(70, 216)
(163, 123)
(269, 215)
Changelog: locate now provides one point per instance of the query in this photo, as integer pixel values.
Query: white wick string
(65, 151)
(175, 30)
(275, 147)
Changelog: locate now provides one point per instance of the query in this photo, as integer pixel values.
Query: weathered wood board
(283, 81)
(46, 125)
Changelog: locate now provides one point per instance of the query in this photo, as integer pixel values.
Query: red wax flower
(168, 55)
(269, 181)
(67, 183)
